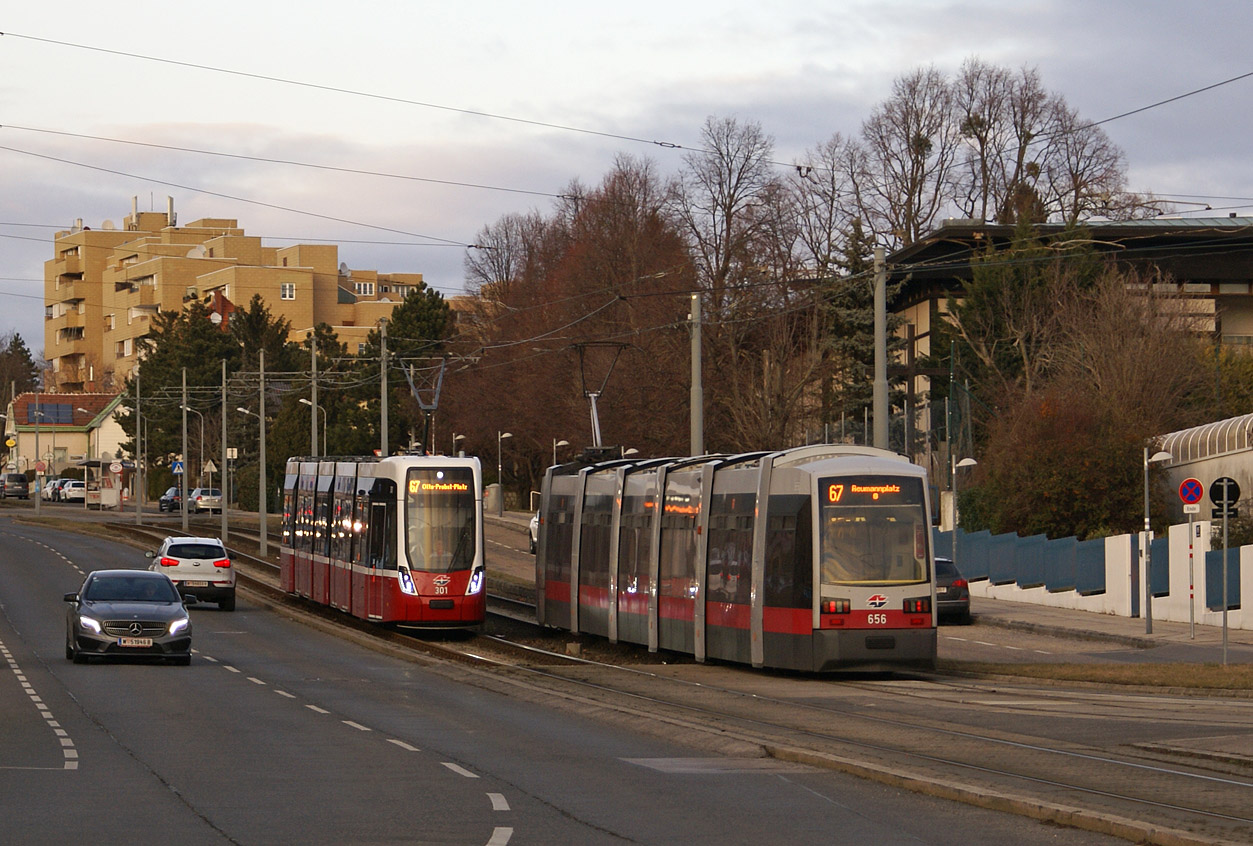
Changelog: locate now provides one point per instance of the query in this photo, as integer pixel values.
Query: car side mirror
(71, 597)
(189, 599)
(150, 554)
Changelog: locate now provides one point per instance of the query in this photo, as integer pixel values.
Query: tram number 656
(877, 619)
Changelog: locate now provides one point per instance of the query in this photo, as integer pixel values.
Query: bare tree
(911, 143)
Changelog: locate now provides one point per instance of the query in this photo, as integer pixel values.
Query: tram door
(382, 547)
(677, 585)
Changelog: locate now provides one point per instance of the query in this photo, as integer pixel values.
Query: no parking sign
(1191, 491)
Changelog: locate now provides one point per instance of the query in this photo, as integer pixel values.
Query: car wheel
(227, 604)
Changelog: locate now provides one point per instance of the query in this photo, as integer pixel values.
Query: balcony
(69, 264)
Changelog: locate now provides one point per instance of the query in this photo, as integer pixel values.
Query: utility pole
(139, 452)
(880, 350)
(313, 418)
(261, 470)
(383, 388)
(698, 389)
(182, 479)
(226, 481)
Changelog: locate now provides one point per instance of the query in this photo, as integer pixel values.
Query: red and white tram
(816, 558)
(391, 540)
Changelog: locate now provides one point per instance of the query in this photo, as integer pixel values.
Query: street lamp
(1159, 456)
(965, 462)
(500, 473)
(557, 443)
(456, 438)
(260, 476)
(200, 467)
(304, 401)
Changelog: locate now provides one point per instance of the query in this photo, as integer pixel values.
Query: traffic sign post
(1191, 491)
(1225, 493)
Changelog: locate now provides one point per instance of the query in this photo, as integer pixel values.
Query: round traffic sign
(1191, 491)
(10, 443)
(115, 467)
(1224, 491)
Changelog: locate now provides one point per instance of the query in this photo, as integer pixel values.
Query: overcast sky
(647, 70)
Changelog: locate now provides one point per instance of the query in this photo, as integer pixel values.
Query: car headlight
(89, 623)
(179, 625)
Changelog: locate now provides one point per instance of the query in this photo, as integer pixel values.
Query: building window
(363, 289)
(109, 322)
(287, 290)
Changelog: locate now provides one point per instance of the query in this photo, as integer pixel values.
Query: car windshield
(130, 589)
(439, 519)
(874, 531)
(195, 550)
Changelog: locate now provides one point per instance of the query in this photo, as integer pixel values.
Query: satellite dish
(344, 271)
(197, 251)
(108, 224)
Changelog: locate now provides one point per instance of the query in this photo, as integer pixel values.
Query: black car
(952, 592)
(127, 613)
(171, 500)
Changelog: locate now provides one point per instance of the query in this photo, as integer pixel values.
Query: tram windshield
(874, 531)
(440, 533)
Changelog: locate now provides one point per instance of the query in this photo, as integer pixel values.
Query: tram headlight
(476, 582)
(406, 582)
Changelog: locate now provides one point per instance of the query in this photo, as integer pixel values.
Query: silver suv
(199, 567)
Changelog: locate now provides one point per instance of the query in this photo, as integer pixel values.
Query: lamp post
(314, 446)
(1160, 455)
(456, 438)
(500, 473)
(200, 467)
(557, 443)
(965, 462)
(260, 479)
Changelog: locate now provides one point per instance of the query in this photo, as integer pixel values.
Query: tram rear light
(836, 606)
(918, 606)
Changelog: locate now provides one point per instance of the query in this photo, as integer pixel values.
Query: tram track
(1069, 783)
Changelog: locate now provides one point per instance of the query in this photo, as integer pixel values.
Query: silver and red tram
(390, 540)
(816, 558)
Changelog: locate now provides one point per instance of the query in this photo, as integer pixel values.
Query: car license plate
(196, 584)
(134, 641)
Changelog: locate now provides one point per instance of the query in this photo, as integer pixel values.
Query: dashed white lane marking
(498, 801)
(69, 753)
(285, 694)
(229, 667)
(500, 836)
(255, 680)
(357, 726)
(996, 645)
(317, 709)
(459, 770)
(403, 745)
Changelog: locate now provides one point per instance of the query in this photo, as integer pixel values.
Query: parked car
(16, 484)
(171, 500)
(952, 592)
(205, 499)
(127, 613)
(74, 490)
(58, 488)
(49, 486)
(533, 530)
(199, 567)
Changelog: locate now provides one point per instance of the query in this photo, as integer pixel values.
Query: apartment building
(104, 286)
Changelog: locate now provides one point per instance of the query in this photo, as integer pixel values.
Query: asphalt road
(278, 733)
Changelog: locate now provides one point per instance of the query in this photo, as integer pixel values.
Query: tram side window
(594, 541)
(634, 545)
(729, 572)
(789, 553)
(289, 515)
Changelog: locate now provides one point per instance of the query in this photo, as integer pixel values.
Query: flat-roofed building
(104, 286)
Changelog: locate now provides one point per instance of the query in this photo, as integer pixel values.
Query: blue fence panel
(972, 554)
(942, 543)
(1002, 568)
(1159, 578)
(1059, 565)
(1214, 579)
(1090, 567)
(1029, 561)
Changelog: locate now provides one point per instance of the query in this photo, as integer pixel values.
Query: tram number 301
(877, 619)
(441, 589)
